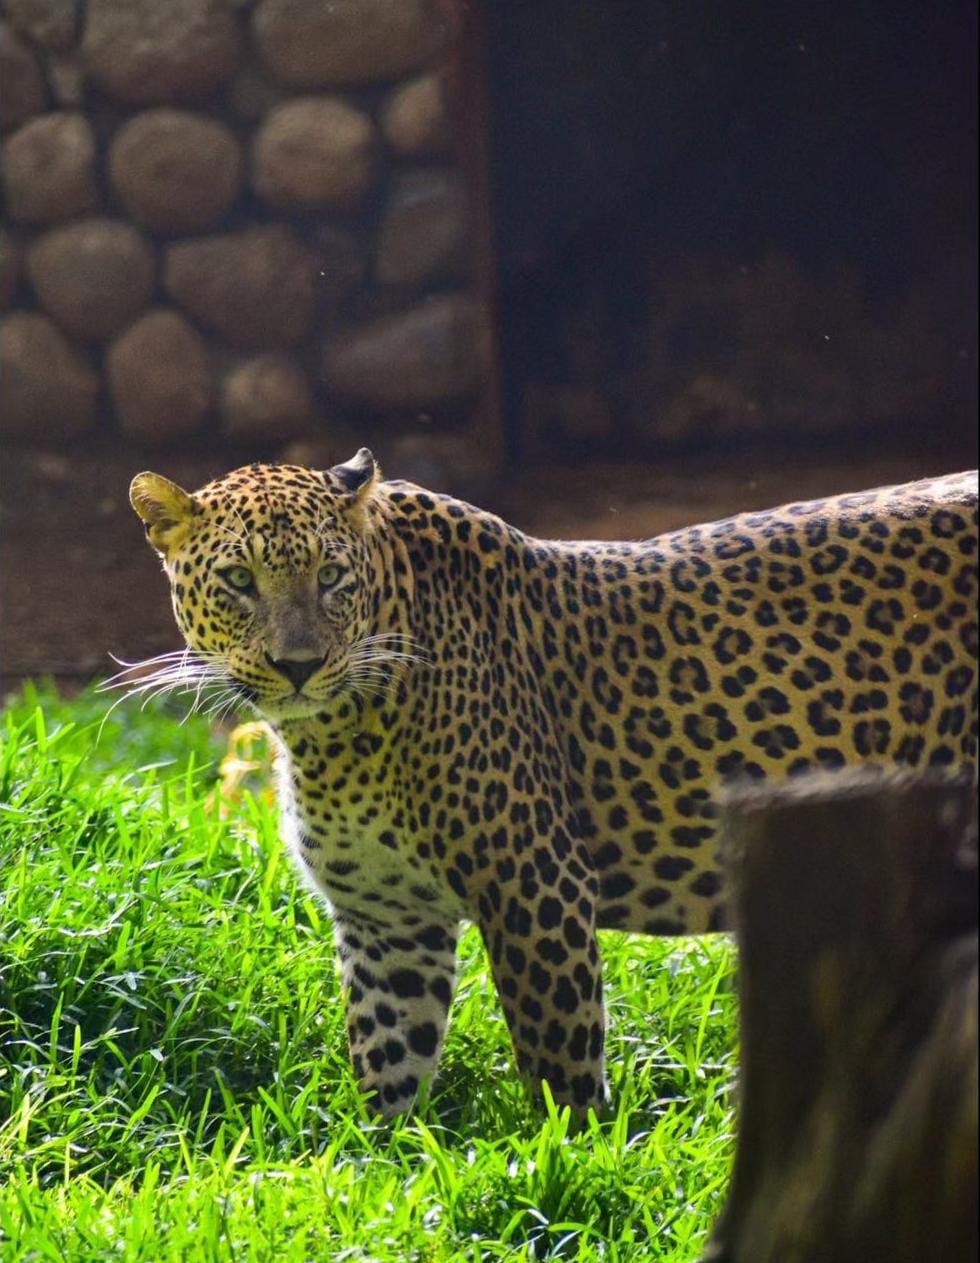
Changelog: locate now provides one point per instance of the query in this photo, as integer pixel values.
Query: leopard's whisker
(181, 659)
(376, 666)
(129, 667)
(170, 655)
(178, 687)
(240, 538)
(178, 672)
(163, 680)
(198, 700)
(153, 687)
(233, 700)
(374, 678)
(118, 702)
(387, 655)
(365, 678)
(382, 639)
(222, 702)
(379, 637)
(241, 522)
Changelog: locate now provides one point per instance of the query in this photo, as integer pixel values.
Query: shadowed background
(605, 269)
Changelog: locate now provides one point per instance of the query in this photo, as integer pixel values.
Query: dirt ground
(77, 581)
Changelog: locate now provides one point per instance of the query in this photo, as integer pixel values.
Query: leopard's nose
(297, 670)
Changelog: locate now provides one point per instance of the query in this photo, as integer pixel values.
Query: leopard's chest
(345, 820)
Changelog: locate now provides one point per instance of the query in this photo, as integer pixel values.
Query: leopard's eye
(239, 577)
(328, 576)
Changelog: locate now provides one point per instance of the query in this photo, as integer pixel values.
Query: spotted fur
(479, 725)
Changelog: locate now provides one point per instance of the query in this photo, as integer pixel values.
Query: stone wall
(233, 219)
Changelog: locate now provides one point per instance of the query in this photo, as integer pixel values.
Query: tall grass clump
(174, 1081)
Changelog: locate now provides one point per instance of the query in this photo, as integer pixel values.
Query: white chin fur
(290, 708)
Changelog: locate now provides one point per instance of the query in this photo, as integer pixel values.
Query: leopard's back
(813, 636)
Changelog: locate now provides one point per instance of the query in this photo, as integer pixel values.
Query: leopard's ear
(358, 475)
(356, 478)
(166, 509)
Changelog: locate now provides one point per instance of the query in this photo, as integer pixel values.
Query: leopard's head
(272, 578)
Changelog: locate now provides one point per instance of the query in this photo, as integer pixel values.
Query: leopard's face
(278, 608)
(270, 577)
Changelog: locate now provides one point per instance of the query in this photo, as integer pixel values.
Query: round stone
(415, 119)
(309, 44)
(48, 389)
(314, 152)
(428, 355)
(48, 169)
(266, 399)
(93, 276)
(149, 52)
(159, 378)
(255, 287)
(23, 93)
(48, 23)
(175, 171)
(423, 230)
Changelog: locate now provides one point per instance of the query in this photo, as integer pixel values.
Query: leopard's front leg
(399, 983)
(540, 932)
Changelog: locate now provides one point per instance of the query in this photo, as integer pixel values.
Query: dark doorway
(719, 222)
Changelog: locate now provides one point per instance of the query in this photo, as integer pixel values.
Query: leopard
(475, 726)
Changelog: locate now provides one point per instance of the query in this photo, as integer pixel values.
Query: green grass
(174, 1081)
